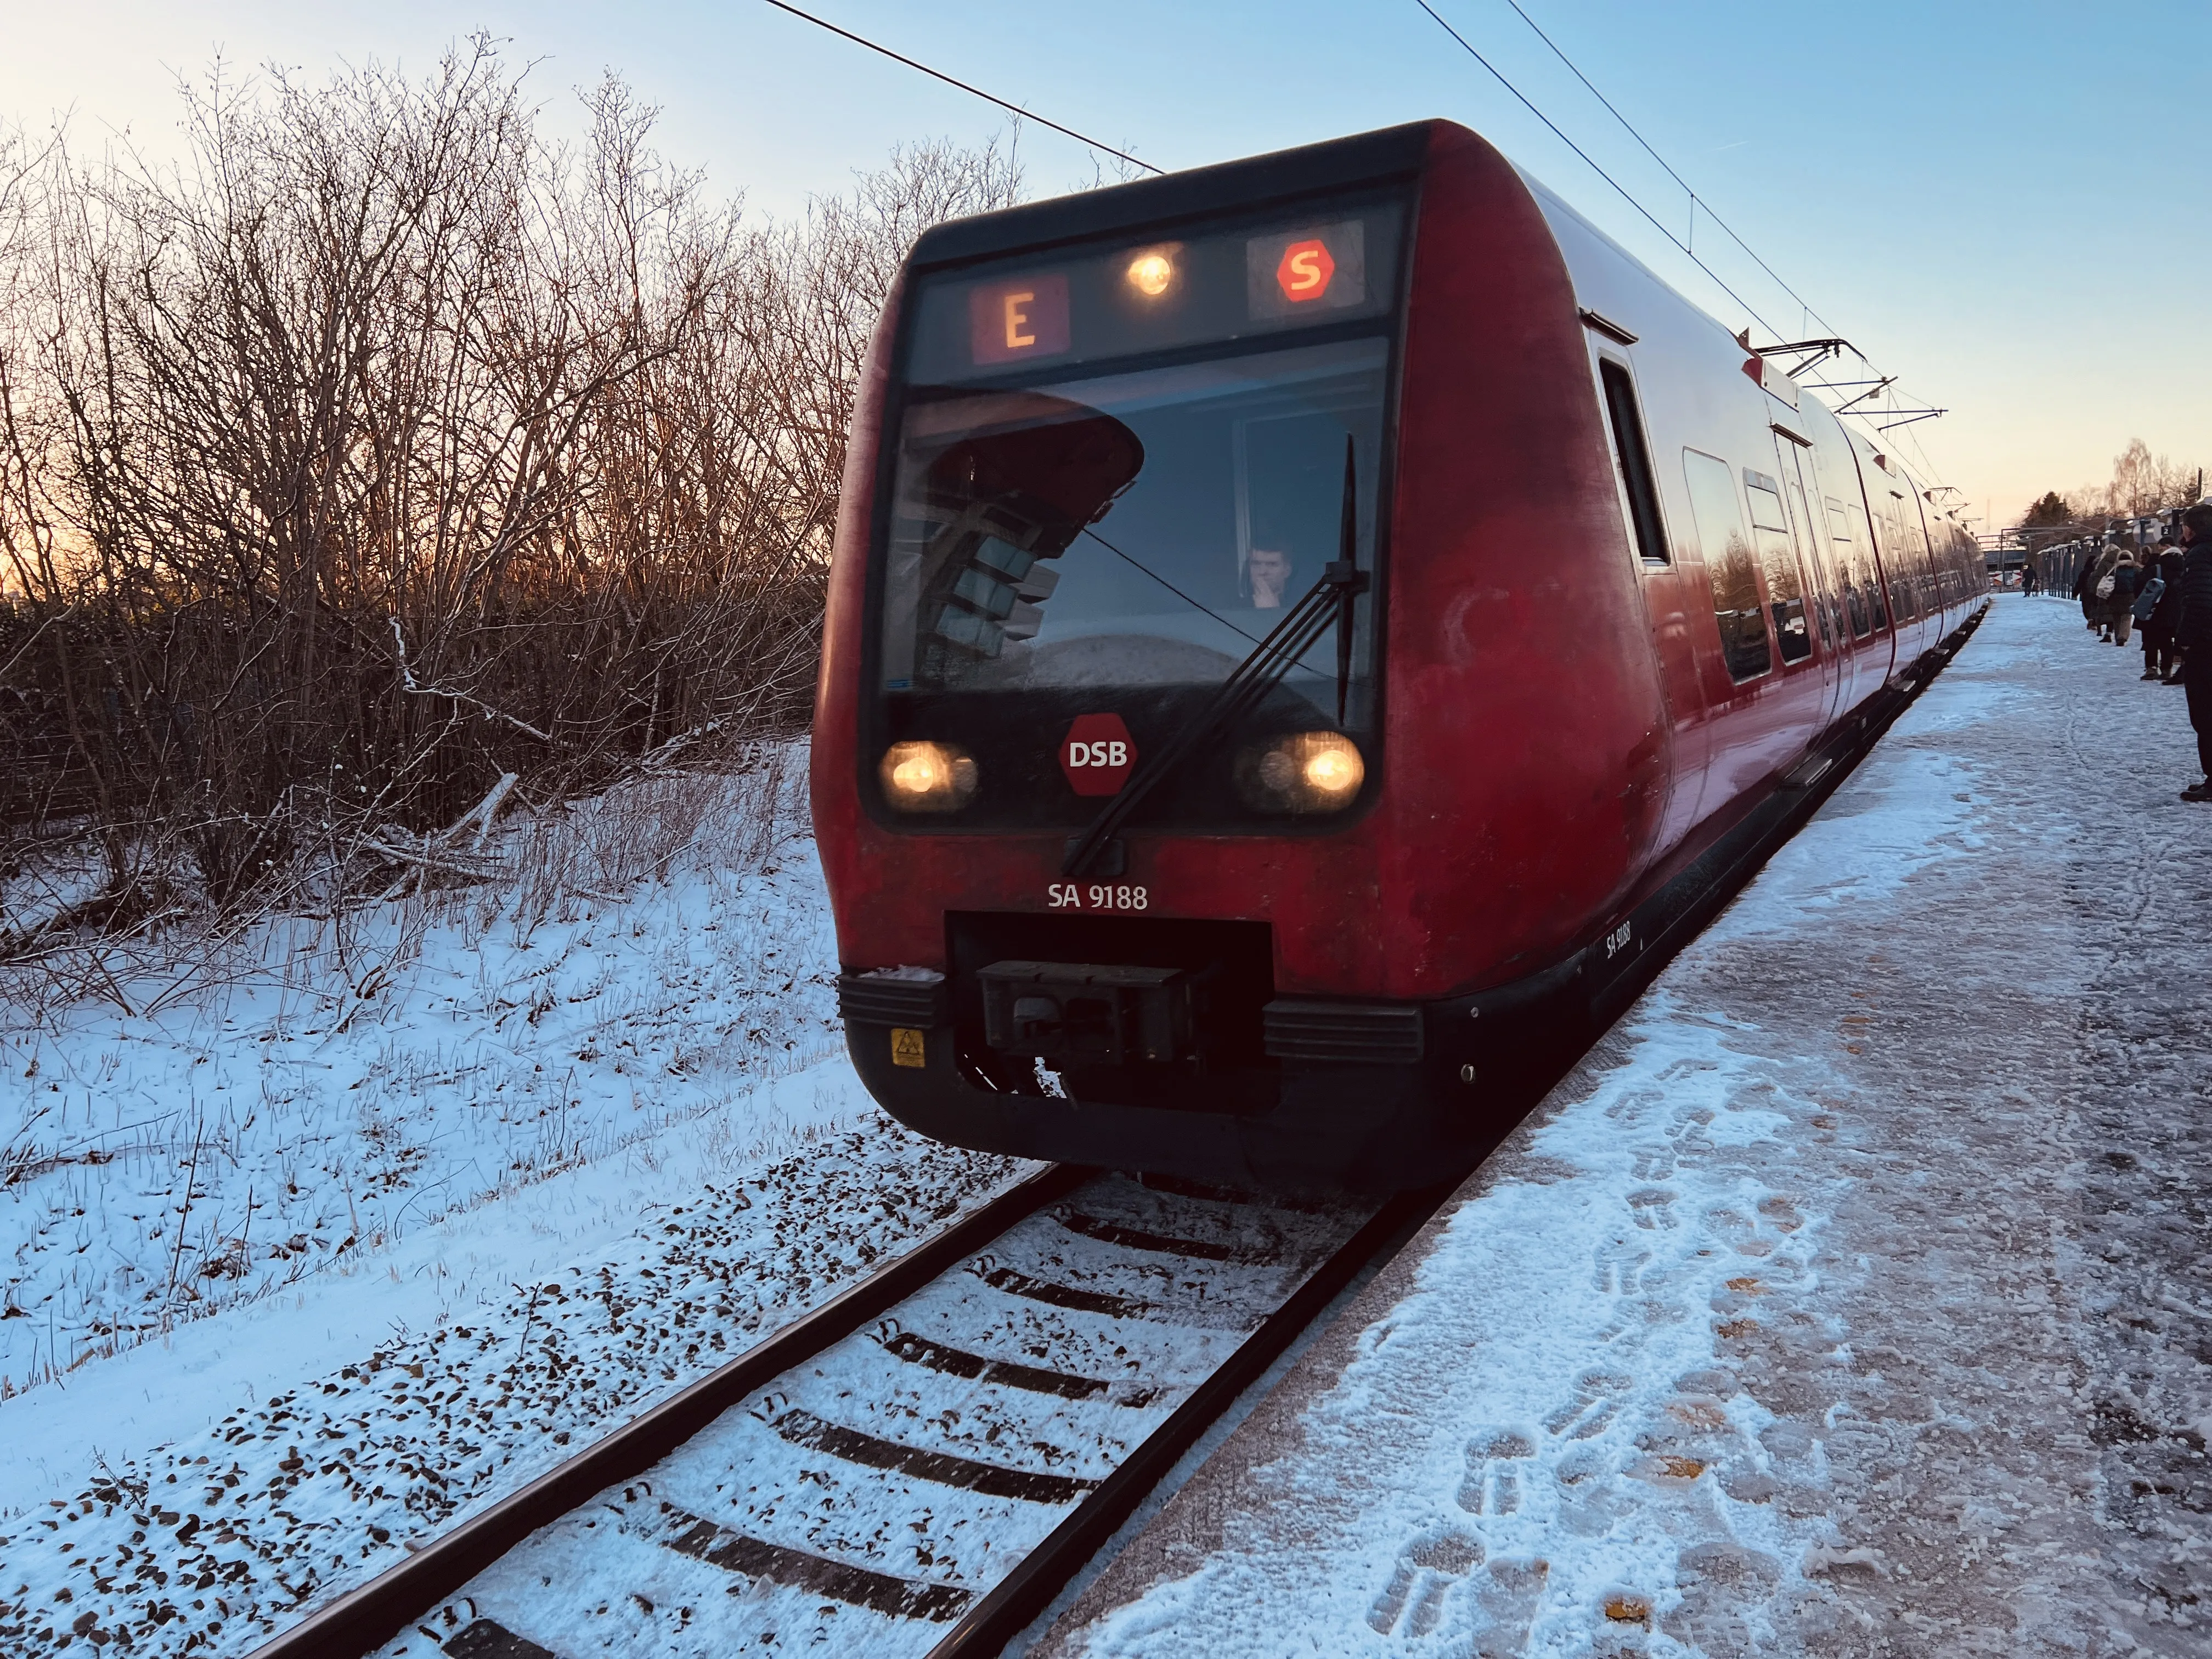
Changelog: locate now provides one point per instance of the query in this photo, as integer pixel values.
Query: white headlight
(1152, 271)
(1308, 772)
(927, 777)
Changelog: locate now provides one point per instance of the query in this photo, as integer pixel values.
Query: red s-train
(1299, 623)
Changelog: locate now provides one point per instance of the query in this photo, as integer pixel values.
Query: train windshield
(1139, 529)
(1071, 537)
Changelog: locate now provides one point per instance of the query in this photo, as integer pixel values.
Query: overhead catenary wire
(1622, 190)
(972, 91)
(1697, 200)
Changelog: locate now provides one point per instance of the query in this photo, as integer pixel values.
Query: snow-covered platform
(1853, 1297)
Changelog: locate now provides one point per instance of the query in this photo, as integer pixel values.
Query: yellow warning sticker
(907, 1047)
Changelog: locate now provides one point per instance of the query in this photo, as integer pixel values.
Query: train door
(1915, 577)
(1778, 562)
(1854, 619)
(1934, 559)
(1666, 586)
(1750, 725)
(1801, 485)
(1878, 652)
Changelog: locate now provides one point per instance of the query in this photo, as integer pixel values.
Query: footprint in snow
(1654, 1207)
(1506, 1597)
(1633, 1105)
(1413, 1599)
(1492, 1485)
(1619, 1263)
(1591, 1408)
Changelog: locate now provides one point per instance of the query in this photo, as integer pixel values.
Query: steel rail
(1010, 1606)
(365, 1619)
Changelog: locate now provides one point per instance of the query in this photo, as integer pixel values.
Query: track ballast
(920, 1478)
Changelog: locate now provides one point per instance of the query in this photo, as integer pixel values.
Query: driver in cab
(1268, 569)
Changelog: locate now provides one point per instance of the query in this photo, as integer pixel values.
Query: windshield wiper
(1352, 583)
(1328, 600)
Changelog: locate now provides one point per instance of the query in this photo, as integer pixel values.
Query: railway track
(918, 1468)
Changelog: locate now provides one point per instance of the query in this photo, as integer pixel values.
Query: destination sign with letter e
(1014, 320)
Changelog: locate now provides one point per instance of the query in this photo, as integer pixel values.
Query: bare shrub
(387, 448)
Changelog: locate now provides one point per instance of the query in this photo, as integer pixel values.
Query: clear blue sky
(2002, 203)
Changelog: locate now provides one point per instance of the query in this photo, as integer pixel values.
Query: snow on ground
(210, 1137)
(311, 1256)
(1852, 1297)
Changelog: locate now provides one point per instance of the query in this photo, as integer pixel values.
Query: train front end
(1164, 825)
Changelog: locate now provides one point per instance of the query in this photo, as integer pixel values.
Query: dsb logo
(1097, 754)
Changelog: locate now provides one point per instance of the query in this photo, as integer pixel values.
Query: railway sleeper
(803, 1428)
(859, 1587)
(1006, 1373)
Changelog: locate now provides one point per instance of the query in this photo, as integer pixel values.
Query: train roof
(1367, 158)
(1387, 154)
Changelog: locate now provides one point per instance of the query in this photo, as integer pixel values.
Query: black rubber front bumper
(1370, 1097)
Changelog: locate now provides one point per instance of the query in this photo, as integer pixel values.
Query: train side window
(1632, 457)
(1728, 564)
(1778, 558)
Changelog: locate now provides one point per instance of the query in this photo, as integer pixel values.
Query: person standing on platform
(2176, 657)
(2098, 586)
(2154, 609)
(2120, 604)
(2192, 631)
(2084, 590)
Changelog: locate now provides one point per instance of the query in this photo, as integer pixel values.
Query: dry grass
(237, 1106)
